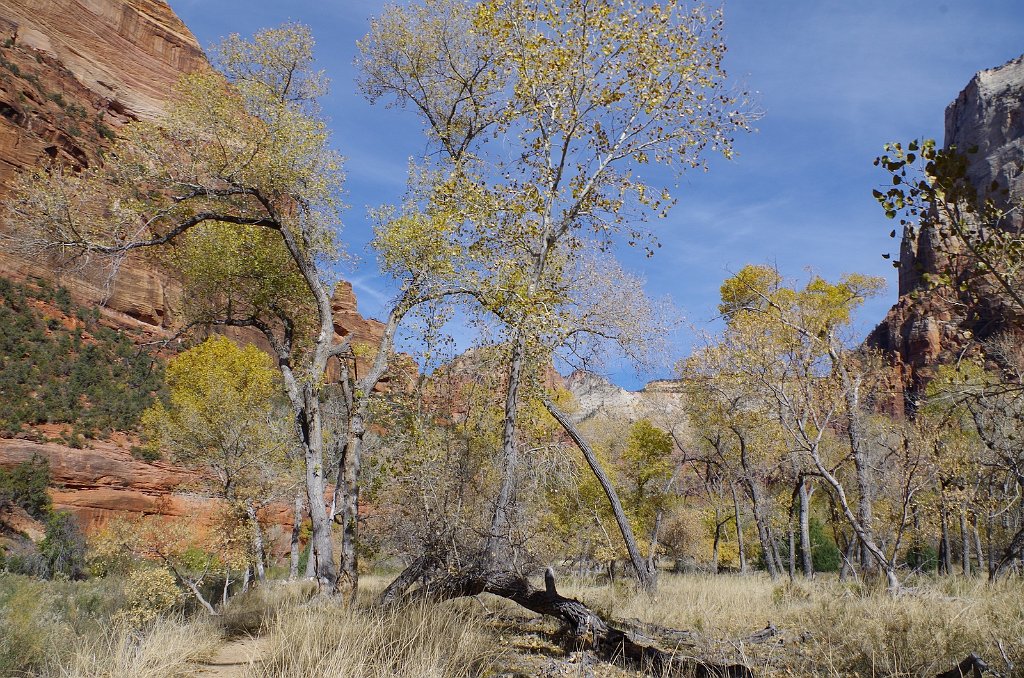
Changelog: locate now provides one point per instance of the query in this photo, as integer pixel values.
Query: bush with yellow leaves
(148, 593)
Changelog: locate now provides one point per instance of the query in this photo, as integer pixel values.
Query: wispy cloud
(836, 79)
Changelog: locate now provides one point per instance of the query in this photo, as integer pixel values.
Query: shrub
(148, 593)
(824, 553)
(63, 548)
(923, 557)
(25, 486)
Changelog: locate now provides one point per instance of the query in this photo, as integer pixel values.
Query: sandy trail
(232, 658)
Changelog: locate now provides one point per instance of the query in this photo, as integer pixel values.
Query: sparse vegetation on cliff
(60, 365)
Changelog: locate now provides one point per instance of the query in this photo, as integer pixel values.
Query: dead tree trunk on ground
(585, 627)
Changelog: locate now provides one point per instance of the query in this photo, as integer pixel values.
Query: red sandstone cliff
(72, 72)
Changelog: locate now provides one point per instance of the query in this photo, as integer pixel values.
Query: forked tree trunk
(646, 577)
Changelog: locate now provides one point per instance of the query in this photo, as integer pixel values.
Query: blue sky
(835, 79)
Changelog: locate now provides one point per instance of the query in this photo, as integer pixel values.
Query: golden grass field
(825, 629)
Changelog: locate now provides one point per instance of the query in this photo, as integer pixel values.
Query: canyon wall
(930, 326)
(72, 73)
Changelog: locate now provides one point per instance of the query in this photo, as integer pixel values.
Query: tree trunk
(979, 552)
(351, 461)
(739, 532)
(258, 549)
(293, 570)
(714, 546)
(889, 567)
(311, 435)
(990, 548)
(805, 529)
(945, 552)
(965, 545)
(792, 548)
(585, 626)
(497, 537)
(310, 571)
(652, 552)
(858, 446)
(848, 554)
(645, 577)
(764, 535)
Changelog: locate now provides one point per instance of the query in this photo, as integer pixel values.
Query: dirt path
(231, 659)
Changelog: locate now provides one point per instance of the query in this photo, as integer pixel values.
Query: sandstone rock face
(105, 481)
(129, 52)
(16, 522)
(72, 72)
(927, 326)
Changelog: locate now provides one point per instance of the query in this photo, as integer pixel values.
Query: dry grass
(423, 641)
(833, 629)
(827, 629)
(73, 629)
(168, 647)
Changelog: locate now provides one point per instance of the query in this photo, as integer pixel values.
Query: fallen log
(585, 627)
(972, 667)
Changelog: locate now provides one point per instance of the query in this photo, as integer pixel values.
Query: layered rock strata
(72, 72)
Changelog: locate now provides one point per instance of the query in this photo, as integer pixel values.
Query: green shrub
(922, 556)
(63, 548)
(25, 486)
(824, 553)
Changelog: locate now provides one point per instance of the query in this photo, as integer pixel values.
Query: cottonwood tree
(224, 415)
(544, 114)
(786, 342)
(237, 189)
(737, 435)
